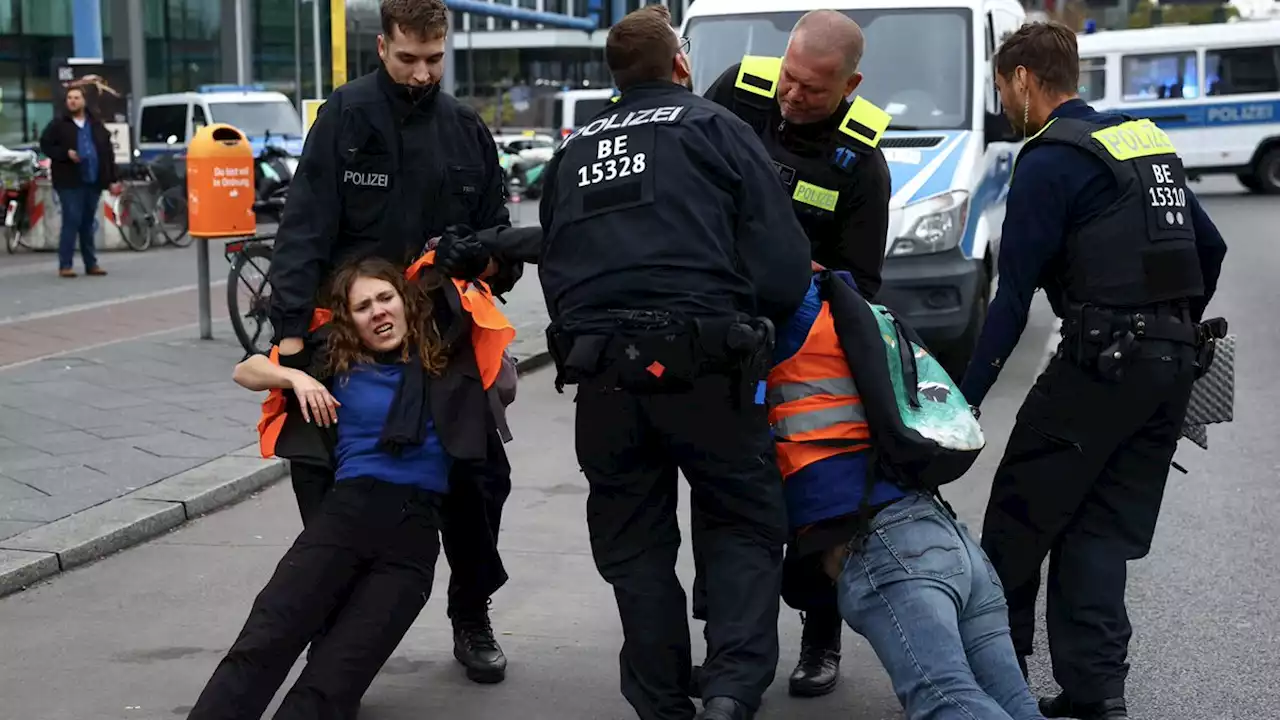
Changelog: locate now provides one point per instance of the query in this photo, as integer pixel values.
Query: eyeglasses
(684, 45)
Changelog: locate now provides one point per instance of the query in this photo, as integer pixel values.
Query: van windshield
(917, 64)
(254, 119)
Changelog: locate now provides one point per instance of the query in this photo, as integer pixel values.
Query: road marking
(56, 312)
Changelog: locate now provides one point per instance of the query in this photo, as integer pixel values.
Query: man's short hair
(76, 89)
(641, 46)
(420, 19)
(1048, 51)
(834, 31)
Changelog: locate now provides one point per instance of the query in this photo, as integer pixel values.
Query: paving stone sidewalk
(85, 428)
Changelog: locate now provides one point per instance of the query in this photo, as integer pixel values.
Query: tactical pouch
(1208, 333)
(653, 363)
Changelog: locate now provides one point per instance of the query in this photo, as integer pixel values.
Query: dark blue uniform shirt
(1054, 190)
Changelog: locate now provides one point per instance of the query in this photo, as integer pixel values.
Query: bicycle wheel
(249, 297)
(171, 216)
(134, 220)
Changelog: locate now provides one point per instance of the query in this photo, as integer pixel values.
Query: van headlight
(933, 225)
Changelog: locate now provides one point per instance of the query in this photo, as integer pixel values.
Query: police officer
(826, 150)
(825, 147)
(389, 163)
(667, 240)
(1100, 216)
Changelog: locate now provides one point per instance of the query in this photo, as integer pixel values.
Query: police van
(1215, 89)
(166, 123)
(573, 108)
(948, 145)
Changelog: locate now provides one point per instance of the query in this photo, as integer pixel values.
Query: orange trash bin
(220, 183)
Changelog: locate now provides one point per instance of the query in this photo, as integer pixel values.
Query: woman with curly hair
(362, 568)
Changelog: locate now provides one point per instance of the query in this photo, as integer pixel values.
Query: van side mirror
(998, 129)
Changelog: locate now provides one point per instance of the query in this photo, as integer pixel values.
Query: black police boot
(819, 668)
(477, 649)
(723, 708)
(1064, 707)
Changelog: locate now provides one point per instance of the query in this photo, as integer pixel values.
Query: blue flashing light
(1090, 26)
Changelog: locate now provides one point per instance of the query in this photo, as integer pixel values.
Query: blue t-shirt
(366, 393)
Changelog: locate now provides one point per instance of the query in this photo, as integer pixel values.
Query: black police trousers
(1081, 481)
(630, 448)
(471, 516)
(367, 558)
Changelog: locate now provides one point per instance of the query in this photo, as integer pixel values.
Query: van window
(1162, 76)
(158, 122)
(198, 118)
(584, 110)
(254, 119)
(918, 67)
(1093, 79)
(1237, 71)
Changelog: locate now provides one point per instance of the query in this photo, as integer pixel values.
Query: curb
(91, 534)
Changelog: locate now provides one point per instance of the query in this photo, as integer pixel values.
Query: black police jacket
(381, 174)
(1141, 250)
(667, 201)
(839, 184)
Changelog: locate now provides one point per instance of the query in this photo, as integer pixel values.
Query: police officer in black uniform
(669, 248)
(827, 151)
(1100, 216)
(389, 163)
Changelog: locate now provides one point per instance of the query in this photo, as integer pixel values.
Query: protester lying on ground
(479, 479)
(909, 577)
(365, 562)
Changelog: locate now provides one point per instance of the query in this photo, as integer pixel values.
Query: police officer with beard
(1100, 216)
(826, 150)
(668, 247)
(390, 162)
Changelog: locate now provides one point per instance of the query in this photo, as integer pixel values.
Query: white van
(949, 148)
(575, 107)
(166, 123)
(1215, 89)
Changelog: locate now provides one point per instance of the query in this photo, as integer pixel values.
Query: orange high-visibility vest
(814, 407)
(491, 334)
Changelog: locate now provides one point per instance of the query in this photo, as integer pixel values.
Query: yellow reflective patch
(865, 122)
(1134, 139)
(758, 74)
(816, 196)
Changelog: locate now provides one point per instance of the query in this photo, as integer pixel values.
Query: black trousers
(366, 559)
(471, 516)
(1081, 481)
(631, 448)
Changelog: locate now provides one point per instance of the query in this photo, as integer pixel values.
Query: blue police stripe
(943, 178)
(1208, 115)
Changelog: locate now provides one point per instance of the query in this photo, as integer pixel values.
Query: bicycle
(159, 206)
(249, 257)
(18, 193)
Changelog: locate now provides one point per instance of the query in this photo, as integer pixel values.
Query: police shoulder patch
(844, 158)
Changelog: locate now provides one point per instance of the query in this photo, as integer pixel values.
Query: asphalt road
(137, 634)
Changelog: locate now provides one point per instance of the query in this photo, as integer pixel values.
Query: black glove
(460, 254)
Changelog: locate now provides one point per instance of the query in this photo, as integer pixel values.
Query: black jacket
(62, 135)
(683, 214)
(462, 410)
(381, 175)
(854, 235)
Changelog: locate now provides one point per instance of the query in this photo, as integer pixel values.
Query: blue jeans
(923, 594)
(79, 212)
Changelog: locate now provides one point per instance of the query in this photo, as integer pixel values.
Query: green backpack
(923, 434)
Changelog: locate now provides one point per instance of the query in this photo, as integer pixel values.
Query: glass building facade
(184, 45)
(188, 43)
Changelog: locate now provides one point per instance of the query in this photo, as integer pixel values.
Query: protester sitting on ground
(909, 577)
(366, 560)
